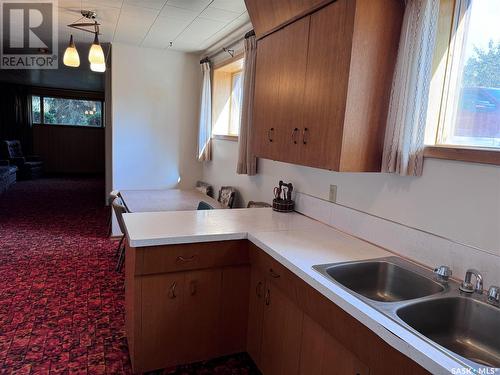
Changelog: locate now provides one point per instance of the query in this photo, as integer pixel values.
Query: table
(165, 200)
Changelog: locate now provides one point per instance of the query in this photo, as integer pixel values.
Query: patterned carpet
(61, 302)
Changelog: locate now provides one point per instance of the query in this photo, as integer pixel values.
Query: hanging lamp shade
(96, 54)
(100, 68)
(71, 57)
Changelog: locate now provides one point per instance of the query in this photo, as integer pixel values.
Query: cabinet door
(281, 334)
(162, 315)
(321, 354)
(200, 315)
(233, 310)
(327, 78)
(255, 313)
(279, 91)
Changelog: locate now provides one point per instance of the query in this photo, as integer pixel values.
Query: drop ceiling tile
(199, 30)
(180, 13)
(219, 14)
(237, 6)
(164, 30)
(153, 4)
(91, 4)
(229, 29)
(134, 23)
(198, 5)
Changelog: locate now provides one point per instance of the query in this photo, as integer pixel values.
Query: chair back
(226, 196)
(204, 206)
(253, 204)
(205, 188)
(13, 149)
(119, 209)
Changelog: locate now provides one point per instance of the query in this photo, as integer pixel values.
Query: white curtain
(247, 162)
(404, 137)
(205, 125)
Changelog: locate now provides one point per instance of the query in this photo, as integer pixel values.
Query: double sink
(461, 325)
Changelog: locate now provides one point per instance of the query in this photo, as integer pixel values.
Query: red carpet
(61, 302)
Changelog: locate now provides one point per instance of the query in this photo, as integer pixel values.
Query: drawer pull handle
(294, 138)
(270, 134)
(305, 136)
(171, 293)
(273, 274)
(267, 298)
(182, 259)
(258, 289)
(192, 287)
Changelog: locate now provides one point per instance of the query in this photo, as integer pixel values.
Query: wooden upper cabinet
(267, 15)
(323, 83)
(279, 91)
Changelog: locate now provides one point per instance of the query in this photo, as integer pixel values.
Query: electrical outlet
(333, 193)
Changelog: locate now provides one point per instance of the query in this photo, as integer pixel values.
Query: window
(465, 92)
(48, 110)
(227, 99)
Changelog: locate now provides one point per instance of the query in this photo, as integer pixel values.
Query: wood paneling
(269, 15)
(69, 149)
(256, 314)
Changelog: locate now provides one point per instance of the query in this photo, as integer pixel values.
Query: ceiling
(191, 25)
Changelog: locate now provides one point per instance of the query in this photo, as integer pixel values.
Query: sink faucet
(443, 273)
(494, 295)
(467, 286)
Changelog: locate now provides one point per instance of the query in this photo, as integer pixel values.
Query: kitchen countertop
(298, 243)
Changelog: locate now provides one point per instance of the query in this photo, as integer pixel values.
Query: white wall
(460, 201)
(155, 99)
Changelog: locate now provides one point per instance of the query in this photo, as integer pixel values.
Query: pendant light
(71, 57)
(96, 54)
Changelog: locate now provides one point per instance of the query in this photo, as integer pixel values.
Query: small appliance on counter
(282, 201)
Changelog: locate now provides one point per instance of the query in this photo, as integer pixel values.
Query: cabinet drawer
(175, 258)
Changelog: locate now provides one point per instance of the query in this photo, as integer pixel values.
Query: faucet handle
(443, 273)
(494, 295)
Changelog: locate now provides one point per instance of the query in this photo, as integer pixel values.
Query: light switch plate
(333, 194)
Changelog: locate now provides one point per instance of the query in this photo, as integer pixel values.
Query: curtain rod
(226, 48)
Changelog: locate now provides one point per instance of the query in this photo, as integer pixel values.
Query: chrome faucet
(494, 295)
(443, 273)
(467, 285)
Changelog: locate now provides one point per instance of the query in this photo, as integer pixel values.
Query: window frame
(442, 65)
(236, 57)
(68, 94)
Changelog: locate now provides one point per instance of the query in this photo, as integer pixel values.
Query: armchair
(29, 167)
(7, 175)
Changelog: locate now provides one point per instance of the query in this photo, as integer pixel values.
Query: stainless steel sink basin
(387, 280)
(463, 325)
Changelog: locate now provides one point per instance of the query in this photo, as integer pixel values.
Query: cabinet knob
(305, 136)
(270, 134)
(171, 293)
(258, 289)
(294, 133)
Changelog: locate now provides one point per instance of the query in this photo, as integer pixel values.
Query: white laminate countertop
(297, 242)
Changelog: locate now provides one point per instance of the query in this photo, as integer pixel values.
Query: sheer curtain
(404, 137)
(205, 125)
(247, 162)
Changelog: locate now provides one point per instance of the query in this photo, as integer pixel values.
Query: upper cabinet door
(327, 80)
(267, 15)
(279, 91)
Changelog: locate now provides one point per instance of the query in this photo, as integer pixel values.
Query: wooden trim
(222, 137)
(67, 94)
(467, 154)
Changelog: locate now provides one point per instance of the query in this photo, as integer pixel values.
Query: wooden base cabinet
(182, 316)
